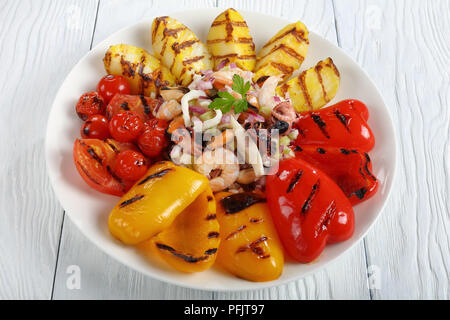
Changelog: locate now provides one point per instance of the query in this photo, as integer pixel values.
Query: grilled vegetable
(190, 244)
(229, 41)
(250, 247)
(284, 53)
(179, 49)
(313, 88)
(154, 202)
(143, 71)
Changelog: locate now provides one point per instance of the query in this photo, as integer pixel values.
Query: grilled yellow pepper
(229, 41)
(250, 247)
(154, 202)
(190, 244)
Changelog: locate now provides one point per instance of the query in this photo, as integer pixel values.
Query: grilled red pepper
(351, 169)
(309, 210)
(342, 125)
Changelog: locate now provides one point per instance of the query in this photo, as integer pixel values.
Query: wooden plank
(405, 47)
(346, 278)
(101, 276)
(39, 41)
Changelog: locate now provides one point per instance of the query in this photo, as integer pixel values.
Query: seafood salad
(219, 154)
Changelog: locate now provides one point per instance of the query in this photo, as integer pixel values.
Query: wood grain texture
(405, 47)
(30, 214)
(102, 277)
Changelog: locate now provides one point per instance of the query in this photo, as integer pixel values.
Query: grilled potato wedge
(313, 88)
(142, 70)
(229, 41)
(284, 53)
(179, 49)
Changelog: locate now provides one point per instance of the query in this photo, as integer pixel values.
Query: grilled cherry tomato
(152, 142)
(309, 210)
(337, 126)
(126, 127)
(111, 85)
(95, 127)
(130, 165)
(93, 159)
(158, 124)
(90, 104)
(351, 170)
(142, 106)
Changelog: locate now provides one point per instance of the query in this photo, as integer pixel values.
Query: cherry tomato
(143, 106)
(95, 127)
(130, 165)
(90, 104)
(111, 85)
(93, 159)
(126, 127)
(152, 142)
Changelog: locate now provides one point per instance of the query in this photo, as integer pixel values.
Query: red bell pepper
(351, 170)
(309, 210)
(342, 125)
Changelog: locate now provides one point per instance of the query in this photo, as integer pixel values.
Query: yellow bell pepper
(154, 202)
(250, 247)
(190, 244)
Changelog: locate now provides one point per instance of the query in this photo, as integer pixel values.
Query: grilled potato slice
(313, 88)
(179, 49)
(229, 41)
(284, 53)
(142, 70)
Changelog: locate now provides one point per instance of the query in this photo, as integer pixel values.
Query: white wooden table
(403, 44)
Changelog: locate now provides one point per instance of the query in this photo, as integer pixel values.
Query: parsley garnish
(227, 101)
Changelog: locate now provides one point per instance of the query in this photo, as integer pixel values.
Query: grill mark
(188, 259)
(113, 147)
(172, 32)
(229, 27)
(238, 202)
(128, 68)
(321, 151)
(158, 22)
(317, 69)
(233, 23)
(342, 118)
(94, 155)
(295, 181)
(366, 166)
(333, 67)
(287, 50)
(299, 36)
(211, 217)
(212, 235)
(298, 149)
(254, 248)
(328, 215)
(130, 201)
(345, 151)
(238, 40)
(255, 220)
(307, 205)
(287, 70)
(302, 83)
(147, 108)
(125, 106)
(210, 198)
(235, 55)
(321, 124)
(360, 194)
(231, 235)
(211, 251)
(87, 173)
(154, 176)
(177, 47)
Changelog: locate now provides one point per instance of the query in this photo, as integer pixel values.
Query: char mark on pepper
(187, 258)
(211, 217)
(154, 176)
(238, 202)
(231, 235)
(147, 109)
(342, 118)
(130, 201)
(308, 203)
(213, 234)
(295, 181)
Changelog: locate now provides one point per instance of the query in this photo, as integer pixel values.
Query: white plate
(89, 209)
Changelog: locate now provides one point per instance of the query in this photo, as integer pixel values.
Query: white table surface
(405, 47)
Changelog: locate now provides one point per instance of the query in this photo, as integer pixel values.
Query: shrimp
(221, 140)
(246, 176)
(169, 110)
(220, 166)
